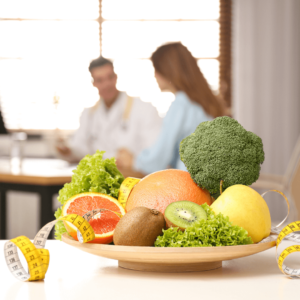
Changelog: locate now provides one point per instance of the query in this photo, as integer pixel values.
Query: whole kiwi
(139, 227)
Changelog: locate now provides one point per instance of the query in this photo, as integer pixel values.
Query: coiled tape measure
(287, 233)
(38, 258)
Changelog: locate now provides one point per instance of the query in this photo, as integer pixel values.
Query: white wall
(266, 78)
(266, 75)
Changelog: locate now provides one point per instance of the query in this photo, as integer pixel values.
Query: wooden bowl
(171, 260)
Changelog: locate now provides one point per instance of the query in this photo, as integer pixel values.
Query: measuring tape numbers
(125, 189)
(286, 233)
(37, 259)
(36, 256)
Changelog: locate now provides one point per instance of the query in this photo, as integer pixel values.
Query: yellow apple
(245, 208)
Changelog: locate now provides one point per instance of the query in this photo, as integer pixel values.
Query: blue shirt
(181, 120)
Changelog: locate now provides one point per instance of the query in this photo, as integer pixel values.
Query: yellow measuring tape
(36, 256)
(126, 188)
(286, 233)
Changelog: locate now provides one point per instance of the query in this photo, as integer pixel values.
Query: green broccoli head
(222, 150)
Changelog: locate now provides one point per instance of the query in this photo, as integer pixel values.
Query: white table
(74, 274)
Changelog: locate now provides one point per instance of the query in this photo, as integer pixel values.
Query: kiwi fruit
(139, 227)
(182, 214)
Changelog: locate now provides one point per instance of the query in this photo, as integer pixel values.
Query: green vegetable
(215, 231)
(93, 174)
(222, 150)
(60, 228)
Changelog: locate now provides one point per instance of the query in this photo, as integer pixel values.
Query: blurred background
(248, 50)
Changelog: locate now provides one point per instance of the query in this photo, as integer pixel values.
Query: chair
(288, 183)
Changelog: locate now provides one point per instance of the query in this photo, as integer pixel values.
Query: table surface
(43, 171)
(74, 274)
(39, 171)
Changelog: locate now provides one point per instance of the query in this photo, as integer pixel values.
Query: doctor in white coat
(116, 121)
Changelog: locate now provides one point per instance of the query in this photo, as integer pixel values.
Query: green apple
(245, 208)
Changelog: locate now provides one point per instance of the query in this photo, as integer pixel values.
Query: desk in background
(43, 176)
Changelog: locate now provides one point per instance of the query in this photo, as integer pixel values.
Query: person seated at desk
(176, 70)
(3, 129)
(116, 121)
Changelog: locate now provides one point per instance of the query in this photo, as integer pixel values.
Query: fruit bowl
(171, 260)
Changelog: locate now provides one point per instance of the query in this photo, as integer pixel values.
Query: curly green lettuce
(93, 174)
(213, 232)
(222, 150)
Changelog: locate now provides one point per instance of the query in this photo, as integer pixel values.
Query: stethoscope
(124, 121)
(126, 113)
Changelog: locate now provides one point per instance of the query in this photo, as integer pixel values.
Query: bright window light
(47, 53)
(160, 9)
(46, 47)
(138, 39)
(49, 9)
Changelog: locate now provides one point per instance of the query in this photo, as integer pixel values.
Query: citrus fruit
(104, 224)
(245, 208)
(161, 188)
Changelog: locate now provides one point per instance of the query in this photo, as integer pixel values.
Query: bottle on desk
(16, 151)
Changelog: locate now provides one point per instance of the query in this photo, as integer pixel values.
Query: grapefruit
(104, 224)
(161, 188)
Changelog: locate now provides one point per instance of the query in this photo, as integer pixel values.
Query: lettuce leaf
(60, 228)
(213, 232)
(93, 174)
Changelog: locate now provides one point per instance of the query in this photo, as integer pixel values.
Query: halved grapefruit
(104, 224)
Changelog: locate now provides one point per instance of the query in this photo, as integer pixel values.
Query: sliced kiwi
(183, 214)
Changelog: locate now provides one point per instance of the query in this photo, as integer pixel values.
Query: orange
(104, 224)
(161, 188)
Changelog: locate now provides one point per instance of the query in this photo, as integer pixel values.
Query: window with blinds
(46, 47)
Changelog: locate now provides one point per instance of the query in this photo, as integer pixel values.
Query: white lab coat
(105, 129)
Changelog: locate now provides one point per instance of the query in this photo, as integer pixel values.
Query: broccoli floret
(222, 150)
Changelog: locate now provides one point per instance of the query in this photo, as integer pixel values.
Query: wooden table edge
(34, 180)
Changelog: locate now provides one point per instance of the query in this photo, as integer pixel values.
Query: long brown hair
(176, 63)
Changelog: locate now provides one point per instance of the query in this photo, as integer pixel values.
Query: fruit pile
(171, 208)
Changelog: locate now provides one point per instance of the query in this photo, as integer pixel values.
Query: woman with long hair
(176, 70)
